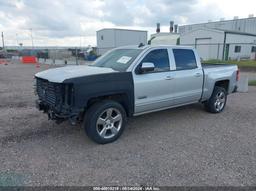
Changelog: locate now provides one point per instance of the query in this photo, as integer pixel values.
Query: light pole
(21, 44)
(3, 39)
(17, 39)
(32, 40)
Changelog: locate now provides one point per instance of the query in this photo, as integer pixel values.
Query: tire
(104, 122)
(217, 101)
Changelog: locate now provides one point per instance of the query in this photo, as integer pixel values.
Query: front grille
(49, 92)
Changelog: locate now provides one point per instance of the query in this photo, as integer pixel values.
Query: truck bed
(218, 72)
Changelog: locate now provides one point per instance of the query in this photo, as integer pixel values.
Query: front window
(119, 59)
(159, 58)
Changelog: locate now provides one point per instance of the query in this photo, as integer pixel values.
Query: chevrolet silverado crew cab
(131, 81)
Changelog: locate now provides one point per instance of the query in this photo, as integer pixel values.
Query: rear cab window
(185, 59)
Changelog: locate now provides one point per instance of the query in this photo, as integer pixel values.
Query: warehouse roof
(222, 30)
(236, 32)
(122, 30)
(221, 21)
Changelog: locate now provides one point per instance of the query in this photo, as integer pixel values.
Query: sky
(75, 22)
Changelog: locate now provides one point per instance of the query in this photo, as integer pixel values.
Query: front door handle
(169, 78)
(197, 75)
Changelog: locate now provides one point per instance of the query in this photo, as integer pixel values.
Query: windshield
(119, 59)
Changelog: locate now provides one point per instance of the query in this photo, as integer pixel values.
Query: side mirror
(147, 67)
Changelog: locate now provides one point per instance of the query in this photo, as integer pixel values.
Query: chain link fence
(217, 51)
(52, 55)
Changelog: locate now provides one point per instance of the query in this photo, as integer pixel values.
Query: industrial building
(165, 38)
(245, 25)
(108, 39)
(210, 42)
(224, 40)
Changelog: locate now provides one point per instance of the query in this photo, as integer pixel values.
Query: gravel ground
(183, 146)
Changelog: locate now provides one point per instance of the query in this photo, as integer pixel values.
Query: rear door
(188, 81)
(153, 89)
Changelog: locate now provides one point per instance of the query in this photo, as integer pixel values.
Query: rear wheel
(105, 121)
(217, 101)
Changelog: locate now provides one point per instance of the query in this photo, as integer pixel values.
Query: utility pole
(76, 57)
(3, 39)
(17, 39)
(32, 40)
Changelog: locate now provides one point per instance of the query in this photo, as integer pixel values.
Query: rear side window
(185, 59)
(159, 58)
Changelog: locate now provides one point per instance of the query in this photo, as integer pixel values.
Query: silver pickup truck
(131, 81)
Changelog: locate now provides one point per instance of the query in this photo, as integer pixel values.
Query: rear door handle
(197, 75)
(169, 78)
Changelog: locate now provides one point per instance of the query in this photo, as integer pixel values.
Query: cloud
(61, 20)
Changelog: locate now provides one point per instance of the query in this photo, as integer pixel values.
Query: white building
(164, 38)
(210, 42)
(246, 25)
(108, 39)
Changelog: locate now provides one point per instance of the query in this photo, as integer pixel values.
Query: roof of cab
(154, 46)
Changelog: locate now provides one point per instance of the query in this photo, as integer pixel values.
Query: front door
(153, 89)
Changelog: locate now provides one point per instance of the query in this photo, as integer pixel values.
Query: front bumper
(41, 106)
(58, 116)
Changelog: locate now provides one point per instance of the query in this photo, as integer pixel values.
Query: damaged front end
(56, 99)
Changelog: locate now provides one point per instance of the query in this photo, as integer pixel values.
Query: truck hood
(58, 75)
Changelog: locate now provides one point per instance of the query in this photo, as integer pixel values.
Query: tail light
(237, 75)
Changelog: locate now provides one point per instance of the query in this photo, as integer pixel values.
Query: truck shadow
(41, 132)
(193, 110)
(139, 123)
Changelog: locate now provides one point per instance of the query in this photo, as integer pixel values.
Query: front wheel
(217, 101)
(105, 121)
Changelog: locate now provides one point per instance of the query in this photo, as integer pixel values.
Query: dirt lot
(184, 146)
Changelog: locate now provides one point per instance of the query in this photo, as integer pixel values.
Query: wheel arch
(223, 84)
(121, 98)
